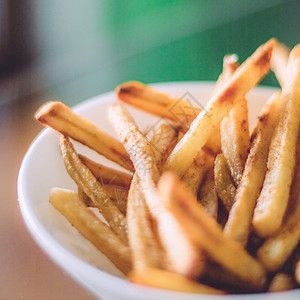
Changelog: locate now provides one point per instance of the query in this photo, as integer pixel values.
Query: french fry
(297, 272)
(63, 119)
(91, 227)
(174, 241)
(170, 281)
(230, 64)
(194, 175)
(87, 182)
(281, 282)
(224, 186)
(279, 62)
(106, 175)
(272, 202)
(240, 216)
(207, 194)
(243, 79)
(117, 194)
(277, 249)
(235, 139)
(145, 246)
(204, 231)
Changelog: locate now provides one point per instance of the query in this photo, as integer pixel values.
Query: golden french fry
(281, 282)
(207, 195)
(106, 175)
(272, 202)
(243, 79)
(224, 186)
(204, 231)
(230, 64)
(63, 119)
(297, 272)
(194, 175)
(87, 182)
(145, 246)
(174, 241)
(91, 227)
(117, 194)
(170, 281)
(277, 249)
(144, 97)
(240, 216)
(235, 139)
(279, 60)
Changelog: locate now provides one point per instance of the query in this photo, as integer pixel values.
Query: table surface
(26, 272)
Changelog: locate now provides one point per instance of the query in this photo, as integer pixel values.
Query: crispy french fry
(174, 241)
(276, 249)
(170, 281)
(243, 79)
(224, 186)
(117, 194)
(148, 99)
(91, 227)
(207, 195)
(194, 175)
(235, 139)
(204, 231)
(281, 282)
(272, 202)
(63, 119)
(145, 246)
(87, 182)
(230, 64)
(240, 216)
(279, 62)
(297, 272)
(107, 175)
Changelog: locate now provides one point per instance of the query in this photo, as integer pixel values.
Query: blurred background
(75, 49)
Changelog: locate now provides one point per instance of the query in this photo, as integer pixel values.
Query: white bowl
(43, 169)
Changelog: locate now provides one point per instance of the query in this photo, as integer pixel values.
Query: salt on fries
(209, 208)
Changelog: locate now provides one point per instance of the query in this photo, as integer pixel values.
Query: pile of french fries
(203, 204)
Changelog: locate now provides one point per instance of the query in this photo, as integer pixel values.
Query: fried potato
(87, 182)
(63, 119)
(174, 241)
(224, 186)
(148, 99)
(272, 202)
(170, 281)
(243, 79)
(106, 175)
(235, 139)
(277, 249)
(143, 239)
(279, 60)
(204, 231)
(240, 216)
(91, 227)
(207, 194)
(117, 194)
(281, 282)
(195, 174)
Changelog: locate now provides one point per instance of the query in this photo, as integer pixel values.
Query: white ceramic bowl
(43, 169)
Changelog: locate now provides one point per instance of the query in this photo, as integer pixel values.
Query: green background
(85, 48)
